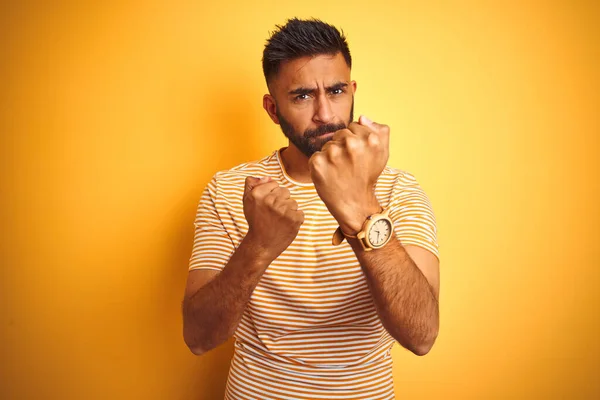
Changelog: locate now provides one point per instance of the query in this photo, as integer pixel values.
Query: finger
(296, 215)
(382, 131)
(358, 130)
(328, 145)
(332, 149)
(338, 136)
(264, 189)
(289, 204)
(252, 182)
(364, 121)
(281, 192)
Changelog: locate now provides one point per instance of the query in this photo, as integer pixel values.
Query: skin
(214, 302)
(403, 280)
(328, 104)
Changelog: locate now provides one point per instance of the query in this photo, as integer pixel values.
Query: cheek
(300, 117)
(342, 107)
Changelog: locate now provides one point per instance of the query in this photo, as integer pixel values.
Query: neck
(296, 164)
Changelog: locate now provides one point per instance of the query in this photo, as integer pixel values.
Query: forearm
(403, 297)
(212, 314)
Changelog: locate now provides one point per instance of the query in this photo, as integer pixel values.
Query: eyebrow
(306, 90)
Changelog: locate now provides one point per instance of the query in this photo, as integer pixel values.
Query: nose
(323, 112)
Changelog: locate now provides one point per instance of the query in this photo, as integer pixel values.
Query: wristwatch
(375, 233)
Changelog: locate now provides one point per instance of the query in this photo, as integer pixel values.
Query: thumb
(381, 130)
(367, 122)
(252, 182)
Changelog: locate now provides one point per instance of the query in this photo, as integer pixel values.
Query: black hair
(300, 38)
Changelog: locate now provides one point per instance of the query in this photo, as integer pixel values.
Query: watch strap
(339, 235)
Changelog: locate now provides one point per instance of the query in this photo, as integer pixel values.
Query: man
(313, 315)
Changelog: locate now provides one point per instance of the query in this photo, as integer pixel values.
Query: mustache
(323, 129)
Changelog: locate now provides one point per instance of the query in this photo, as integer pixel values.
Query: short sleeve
(212, 245)
(411, 211)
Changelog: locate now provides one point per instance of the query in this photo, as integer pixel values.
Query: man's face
(313, 97)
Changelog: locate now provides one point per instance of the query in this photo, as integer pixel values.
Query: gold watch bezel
(363, 236)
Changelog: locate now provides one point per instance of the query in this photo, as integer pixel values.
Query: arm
(403, 280)
(213, 305)
(405, 293)
(212, 310)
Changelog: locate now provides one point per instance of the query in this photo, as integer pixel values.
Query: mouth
(325, 135)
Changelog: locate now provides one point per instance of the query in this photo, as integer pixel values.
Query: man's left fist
(346, 170)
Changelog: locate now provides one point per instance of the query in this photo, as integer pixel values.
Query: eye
(303, 96)
(337, 91)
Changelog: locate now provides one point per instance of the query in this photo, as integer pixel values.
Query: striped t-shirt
(310, 330)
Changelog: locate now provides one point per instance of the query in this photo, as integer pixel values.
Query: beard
(310, 142)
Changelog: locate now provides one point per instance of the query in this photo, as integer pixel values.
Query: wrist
(256, 250)
(351, 226)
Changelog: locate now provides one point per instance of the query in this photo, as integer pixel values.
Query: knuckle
(340, 134)
(373, 140)
(270, 187)
(316, 159)
(251, 195)
(327, 147)
(284, 192)
(333, 152)
(269, 199)
(352, 144)
(282, 210)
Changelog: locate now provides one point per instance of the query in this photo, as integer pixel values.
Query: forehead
(311, 71)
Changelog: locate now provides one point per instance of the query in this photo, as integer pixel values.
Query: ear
(353, 83)
(270, 107)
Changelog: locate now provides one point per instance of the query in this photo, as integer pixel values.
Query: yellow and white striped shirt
(310, 330)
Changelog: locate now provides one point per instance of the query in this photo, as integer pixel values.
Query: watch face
(380, 231)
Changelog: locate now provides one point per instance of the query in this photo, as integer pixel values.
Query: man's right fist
(273, 216)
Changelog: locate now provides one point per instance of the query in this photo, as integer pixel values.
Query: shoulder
(402, 187)
(397, 177)
(236, 176)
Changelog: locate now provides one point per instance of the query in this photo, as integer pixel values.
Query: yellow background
(113, 117)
